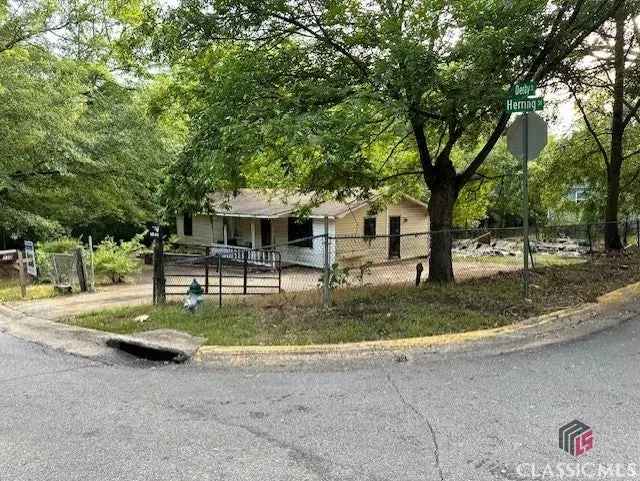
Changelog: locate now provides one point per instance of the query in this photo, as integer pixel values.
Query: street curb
(569, 324)
(565, 325)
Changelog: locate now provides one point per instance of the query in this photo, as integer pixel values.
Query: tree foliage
(303, 94)
(76, 145)
(80, 142)
(605, 85)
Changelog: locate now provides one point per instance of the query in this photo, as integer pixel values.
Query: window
(370, 227)
(300, 229)
(187, 223)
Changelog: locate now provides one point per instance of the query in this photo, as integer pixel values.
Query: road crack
(425, 420)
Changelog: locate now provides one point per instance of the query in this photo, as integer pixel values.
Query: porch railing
(259, 257)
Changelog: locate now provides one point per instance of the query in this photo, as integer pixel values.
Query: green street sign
(524, 105)
(524, 90)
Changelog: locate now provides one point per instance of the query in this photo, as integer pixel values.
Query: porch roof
(273, 204)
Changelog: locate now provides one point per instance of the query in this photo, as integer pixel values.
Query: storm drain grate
(150, 353)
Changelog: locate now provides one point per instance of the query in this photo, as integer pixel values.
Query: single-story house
(261, 219)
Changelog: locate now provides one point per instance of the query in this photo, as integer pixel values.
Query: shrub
(338, 277)
(116, 261)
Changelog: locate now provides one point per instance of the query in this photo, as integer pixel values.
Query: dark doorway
(394, 237)
(265, 232)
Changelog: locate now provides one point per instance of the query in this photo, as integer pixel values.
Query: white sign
(30, 255)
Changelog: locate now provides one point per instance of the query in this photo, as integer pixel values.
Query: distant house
(255, 219)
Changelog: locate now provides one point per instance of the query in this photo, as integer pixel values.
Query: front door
(265, 232)
(394, 237)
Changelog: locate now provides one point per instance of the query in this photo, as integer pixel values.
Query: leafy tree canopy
(306, 95)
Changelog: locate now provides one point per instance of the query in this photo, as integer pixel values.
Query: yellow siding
(360, 251)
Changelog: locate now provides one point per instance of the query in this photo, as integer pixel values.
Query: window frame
(301, 232)
(187, 232)
(367, 222)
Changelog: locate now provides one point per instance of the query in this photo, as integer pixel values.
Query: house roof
(272, 204)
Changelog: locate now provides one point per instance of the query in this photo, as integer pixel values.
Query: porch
(293, 242)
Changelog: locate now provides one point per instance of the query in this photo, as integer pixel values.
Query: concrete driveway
(457, 418)
(105, 297)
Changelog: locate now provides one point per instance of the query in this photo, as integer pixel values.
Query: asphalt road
(459, 418)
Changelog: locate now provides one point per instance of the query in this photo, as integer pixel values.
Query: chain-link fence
(71, 271)
(322, 266)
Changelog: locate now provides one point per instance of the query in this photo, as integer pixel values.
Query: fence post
(638, 232)
(279, 261)
(245, 260)
(206, 270)
(80, 271)
(23, 282)
(590, 241)
(159, 294)
(206, 276)
(326, 293)
(93, 270)
(219, 280)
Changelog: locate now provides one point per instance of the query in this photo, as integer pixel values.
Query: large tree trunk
(612, 237)
(441, 203)
(611, 234)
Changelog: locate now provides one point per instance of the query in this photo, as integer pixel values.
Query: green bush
(116, 261)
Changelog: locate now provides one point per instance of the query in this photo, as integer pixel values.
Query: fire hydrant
(194, 297)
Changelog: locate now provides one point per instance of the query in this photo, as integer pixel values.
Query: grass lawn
(10, 291)
(382, 312)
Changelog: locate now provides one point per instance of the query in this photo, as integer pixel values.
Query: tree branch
(464, 177)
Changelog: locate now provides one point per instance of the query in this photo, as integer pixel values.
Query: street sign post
(526, 138)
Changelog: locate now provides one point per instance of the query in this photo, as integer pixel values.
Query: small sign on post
(30, 254)
(522, 98)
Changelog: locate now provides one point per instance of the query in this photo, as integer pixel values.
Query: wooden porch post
(224, 230)
(253, 233)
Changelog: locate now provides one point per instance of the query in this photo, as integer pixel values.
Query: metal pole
(279, 263)
(244, 272)
(326, 291)
(525, 205)
(206, 276)
(638, 232)
(93, 270)
(161, 289)
(155, 272)
(219, 280)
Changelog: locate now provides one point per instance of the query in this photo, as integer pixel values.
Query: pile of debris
(562, 246)
(486, 245)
